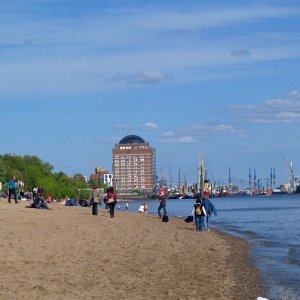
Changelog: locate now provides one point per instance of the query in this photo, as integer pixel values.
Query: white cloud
(240, 53)
(294, 93)
(144, 77)
(205, 130)
(148, 126)
(168, 134)
(145, 126)
(124, 127)
(108, 48)
(195, 133)
(179, 140)
(271, 111)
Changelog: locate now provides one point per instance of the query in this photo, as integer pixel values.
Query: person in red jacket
(111, 201)
(162, 202)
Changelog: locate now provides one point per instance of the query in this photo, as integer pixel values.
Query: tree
(34, 172)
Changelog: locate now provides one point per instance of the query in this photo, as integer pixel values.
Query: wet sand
(66, 253)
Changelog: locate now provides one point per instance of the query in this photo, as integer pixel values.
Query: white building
(108, 179)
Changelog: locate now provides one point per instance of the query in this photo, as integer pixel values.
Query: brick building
(134, 165)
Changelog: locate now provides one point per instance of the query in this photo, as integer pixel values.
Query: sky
(189, 77)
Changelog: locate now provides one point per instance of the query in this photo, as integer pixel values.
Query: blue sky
(186, 76)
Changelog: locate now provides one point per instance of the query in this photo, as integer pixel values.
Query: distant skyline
(187, 76)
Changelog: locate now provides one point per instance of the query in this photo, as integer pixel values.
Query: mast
(179, 179)
(202, 175)
(199, 173)
(292, 177)
(250, 180)
(229, 181)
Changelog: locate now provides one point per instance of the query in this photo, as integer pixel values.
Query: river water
(272, 223)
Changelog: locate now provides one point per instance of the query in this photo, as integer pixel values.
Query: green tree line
(34, 172)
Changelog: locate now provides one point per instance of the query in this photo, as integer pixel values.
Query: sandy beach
(66, 253)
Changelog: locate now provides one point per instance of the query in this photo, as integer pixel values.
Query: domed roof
(132, 139)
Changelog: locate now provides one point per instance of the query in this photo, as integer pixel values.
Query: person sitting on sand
(146, 208)
(40, 202)
(49, 198)
(141, 208)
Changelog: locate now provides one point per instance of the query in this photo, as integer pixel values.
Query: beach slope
(66, 253)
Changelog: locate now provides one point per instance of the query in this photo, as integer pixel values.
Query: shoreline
(66, 253)
(244, 269)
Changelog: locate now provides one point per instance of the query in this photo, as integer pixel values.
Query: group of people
(201, 213)
(37, 194)
(39, 202)
(110, 200)
(143, 208)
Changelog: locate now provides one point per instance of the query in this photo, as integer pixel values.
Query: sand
(66, 253)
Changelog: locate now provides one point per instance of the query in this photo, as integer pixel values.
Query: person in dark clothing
(40, 190)
(199, 214)
(111, 201)
(162, 202)
(39, 202)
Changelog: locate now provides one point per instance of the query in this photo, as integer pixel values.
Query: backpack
(165, 218)
(189, 219)
(198, 210)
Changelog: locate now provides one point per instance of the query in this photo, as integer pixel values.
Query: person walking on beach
(162, 202)
(111, 201)
(12, 189)
(199, 214)
(126, 205)
(95, 199)
(209, 208)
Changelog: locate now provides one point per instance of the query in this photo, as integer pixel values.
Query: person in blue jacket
(209, 208)
(12, 189)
